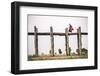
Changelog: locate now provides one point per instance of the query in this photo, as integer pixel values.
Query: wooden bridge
(51, 34)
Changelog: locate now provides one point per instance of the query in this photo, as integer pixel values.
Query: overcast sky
(59, 23)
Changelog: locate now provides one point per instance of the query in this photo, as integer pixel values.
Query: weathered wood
(36, 40)
(54, 33)
(67, 42)
(79, 42)
(51, 33)
(52, 41)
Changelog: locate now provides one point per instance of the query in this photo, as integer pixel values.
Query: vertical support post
(79, 40)
(52, 41)
(36, 40)
(67, 42)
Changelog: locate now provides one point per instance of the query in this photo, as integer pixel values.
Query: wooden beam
(54, 33)
(67, 42)
(79, 40)
(52, 41)
(36, 40)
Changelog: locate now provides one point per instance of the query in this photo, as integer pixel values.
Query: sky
(59, 23)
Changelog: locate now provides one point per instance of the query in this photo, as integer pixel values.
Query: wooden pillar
(79, 40)
(52, 41)
(67, 42)
(36, 40)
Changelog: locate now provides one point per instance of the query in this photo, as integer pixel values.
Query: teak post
(52, 41)
(67, 42)
(36, 40)
(79, 40)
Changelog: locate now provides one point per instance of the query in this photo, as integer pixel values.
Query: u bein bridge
(51, 34)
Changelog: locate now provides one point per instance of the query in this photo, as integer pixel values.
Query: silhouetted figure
(59, 50)
(70, 28)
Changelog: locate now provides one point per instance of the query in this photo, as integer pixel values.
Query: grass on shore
(57, 57)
